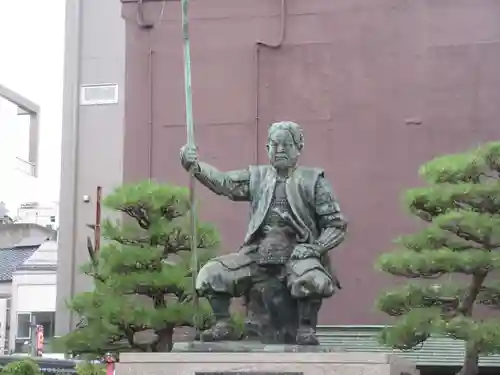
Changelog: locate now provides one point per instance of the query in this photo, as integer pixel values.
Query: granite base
(258, 359)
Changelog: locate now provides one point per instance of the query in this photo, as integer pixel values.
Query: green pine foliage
(23, 367)
(89, 368)
(461, 206)
(142, 274)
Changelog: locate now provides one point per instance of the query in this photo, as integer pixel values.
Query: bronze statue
(295, 221)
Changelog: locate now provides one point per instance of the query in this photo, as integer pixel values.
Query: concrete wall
(92, 136)
(380, 87)
(11, 234)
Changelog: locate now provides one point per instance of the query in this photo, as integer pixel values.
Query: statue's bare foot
(306, 336)
(221, 331)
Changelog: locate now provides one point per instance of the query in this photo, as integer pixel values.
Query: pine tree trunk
(165, 341)
(471, 362)
(471, 359)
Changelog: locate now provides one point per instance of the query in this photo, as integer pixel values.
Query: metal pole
(97, 230)
(33, 335)
(191, 143)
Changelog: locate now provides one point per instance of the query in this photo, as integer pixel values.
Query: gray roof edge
(37, 267)
(33, 241)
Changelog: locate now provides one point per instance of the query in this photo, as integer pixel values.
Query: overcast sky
(31, 63)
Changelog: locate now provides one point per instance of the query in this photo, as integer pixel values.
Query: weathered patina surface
(283, 268)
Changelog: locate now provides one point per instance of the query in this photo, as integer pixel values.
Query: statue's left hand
(305, 251)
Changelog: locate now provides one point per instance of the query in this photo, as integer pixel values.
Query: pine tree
(142, 275)
(461, 206)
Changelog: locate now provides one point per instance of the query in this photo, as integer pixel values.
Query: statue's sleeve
(331, 222)
(234, 185)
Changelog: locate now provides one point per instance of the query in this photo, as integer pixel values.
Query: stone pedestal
(270, 360)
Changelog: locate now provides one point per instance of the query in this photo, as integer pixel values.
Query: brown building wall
(354, 73)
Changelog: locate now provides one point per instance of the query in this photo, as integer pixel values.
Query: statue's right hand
(189, 156)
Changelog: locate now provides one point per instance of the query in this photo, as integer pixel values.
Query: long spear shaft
(191, 143)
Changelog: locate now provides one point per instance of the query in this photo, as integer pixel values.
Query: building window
(47, 320)
(23, 326)
(25, 320)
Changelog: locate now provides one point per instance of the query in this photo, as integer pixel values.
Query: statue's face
(282, 150)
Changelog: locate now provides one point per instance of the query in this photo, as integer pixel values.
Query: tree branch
(466, 236)
(139, 213)
(467, 304)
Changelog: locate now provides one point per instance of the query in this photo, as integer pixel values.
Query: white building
(27, 294)
(45, 214)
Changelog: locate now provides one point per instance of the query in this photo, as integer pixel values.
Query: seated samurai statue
(295, 221)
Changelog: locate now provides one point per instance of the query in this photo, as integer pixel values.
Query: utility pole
(33, 338)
